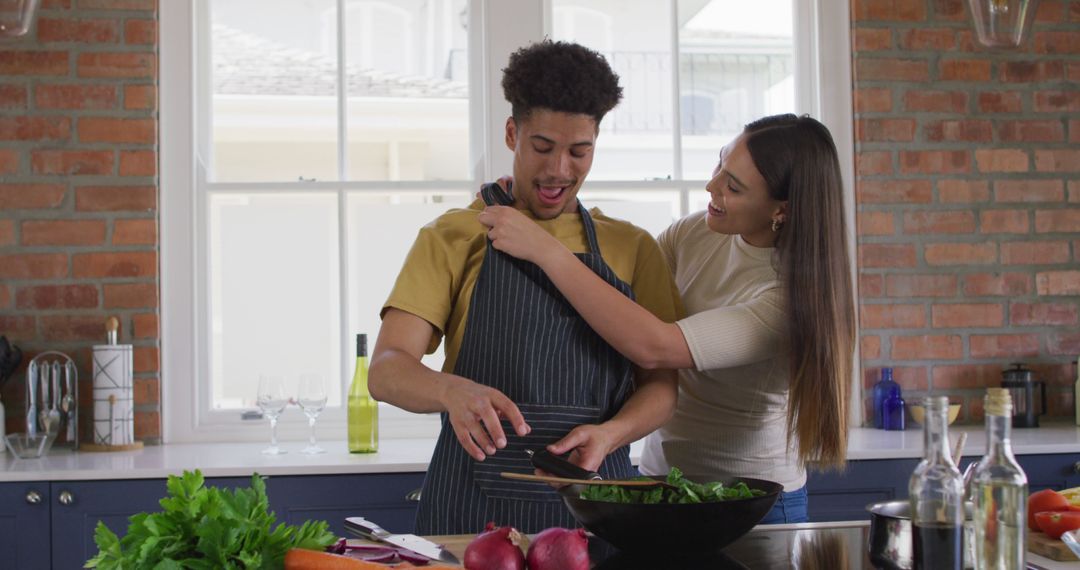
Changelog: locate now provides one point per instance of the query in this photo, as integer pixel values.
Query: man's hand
(588, 445)
(475, 411)
(514, 233)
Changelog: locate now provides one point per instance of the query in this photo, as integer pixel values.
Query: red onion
(497, 548)
(559, 549)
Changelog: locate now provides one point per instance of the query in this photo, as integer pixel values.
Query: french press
(1021, 383)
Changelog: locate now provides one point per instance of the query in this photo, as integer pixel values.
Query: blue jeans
(790, 507)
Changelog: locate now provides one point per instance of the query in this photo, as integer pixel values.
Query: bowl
(690, 527)
(918, 413)
(25, 446)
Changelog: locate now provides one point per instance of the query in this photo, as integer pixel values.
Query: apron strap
(494, 195)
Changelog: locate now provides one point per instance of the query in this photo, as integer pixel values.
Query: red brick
(147, 391)
(869, 163)
(886, 69)
(875, 224)
(1050, 314)
(138, 163)
(950, 10)
(139, 97)
(31, 196)
(131, 295)
(82, 31)
(921, 285)
(56, 4)
(1003, 222)
(115, 198)
(963, 191)
(935, 39)
(1000, 102)
(63, 232)
(147, 426)
(908, 377)
(872, 39)
(964, 70)
(1057, 160)
(1051, 221)
(960, 253)
(1057, 282)
(1031, 71)
(1055, 42)
(932, 101)
(1003, 345)
(99, 129)
(1072, 71)
(965, 315)
(894, 192)
(146, 359)
(1074, 12)
(5, 297)
(75, 97)
(72, 162)
(17, 326)
(1065, 344)
(948, 222)
(1057, 101)
(1074, 191)
(927, 347)
(962, 130)
(892, 316)
(38, 63)
(997, 285)
(117, 65)
(72, 327)
(935, 162)
(1050, 11)
(886, 255)
(885, 130)
(140, 32)
(891, 10)
(134, 232)
(873, 100)
(125, 5)
(966, 376)
(33, 266)
(1074, 130)
(12, 97)
(870, 347)
(57, 297)
(1029, 191)
(9, 161)
(125, 264)
(7, 232)
(35, 128)
(1001, 160)
(145, 325)
(1034, 252)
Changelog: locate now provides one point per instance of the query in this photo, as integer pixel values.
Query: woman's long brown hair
(798, 159)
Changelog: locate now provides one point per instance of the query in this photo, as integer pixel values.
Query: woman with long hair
(765, 353)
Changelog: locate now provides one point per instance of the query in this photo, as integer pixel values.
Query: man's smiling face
(553, 152)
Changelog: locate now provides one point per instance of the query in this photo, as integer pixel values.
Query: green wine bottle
(363, 412)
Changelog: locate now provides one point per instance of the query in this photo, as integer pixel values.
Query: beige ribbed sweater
(731, 417)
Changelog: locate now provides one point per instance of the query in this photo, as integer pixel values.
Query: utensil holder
(52, 398)
(114, 400)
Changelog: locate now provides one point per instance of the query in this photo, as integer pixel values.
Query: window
(306, 142)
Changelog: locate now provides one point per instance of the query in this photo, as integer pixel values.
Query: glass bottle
(892, 409)
(936, 492)
(363, 410)
(882, 390)
(999, 491)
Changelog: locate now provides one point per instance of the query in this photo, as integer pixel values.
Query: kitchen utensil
(50, 416)
(1021, 383)
(69, 403)
(568, 481)
(684, 527)
(26, 446)
(364, 528)
(544, 460)
(31, 398)
(1071, 539)
(890, 540)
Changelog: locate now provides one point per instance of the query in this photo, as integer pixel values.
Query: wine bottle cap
(361, 344)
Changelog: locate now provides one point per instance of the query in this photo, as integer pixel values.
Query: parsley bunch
(687, 492)
(206, 528)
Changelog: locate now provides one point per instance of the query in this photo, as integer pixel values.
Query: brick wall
(78, 192)
(968, 193)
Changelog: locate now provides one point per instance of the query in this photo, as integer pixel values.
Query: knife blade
(366, 529)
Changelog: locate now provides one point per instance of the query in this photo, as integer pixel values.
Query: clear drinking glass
(272, 400)
(311, 395)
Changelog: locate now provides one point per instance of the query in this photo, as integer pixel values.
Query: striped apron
(524, 339)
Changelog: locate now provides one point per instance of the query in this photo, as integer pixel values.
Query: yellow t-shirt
(436, 282)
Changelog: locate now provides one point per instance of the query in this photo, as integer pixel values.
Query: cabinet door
(378, 497)
(843, 496)
(77, 506)
(24, 525)
(1051, 471)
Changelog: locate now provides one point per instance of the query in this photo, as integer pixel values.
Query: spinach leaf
(687, 491)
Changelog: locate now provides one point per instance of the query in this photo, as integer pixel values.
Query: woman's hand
(588, 445)
(513, 233)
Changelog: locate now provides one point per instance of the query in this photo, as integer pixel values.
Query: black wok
(694, 527)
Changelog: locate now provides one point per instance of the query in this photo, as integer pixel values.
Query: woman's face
(740, 202)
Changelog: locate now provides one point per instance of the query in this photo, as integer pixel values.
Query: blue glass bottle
(892, 410)
(882, 391)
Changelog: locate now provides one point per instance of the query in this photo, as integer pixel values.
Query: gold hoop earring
(775, 225)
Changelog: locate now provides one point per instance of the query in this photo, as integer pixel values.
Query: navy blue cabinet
(24, 524)
(379, 497)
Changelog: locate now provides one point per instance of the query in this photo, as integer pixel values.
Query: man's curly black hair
(560, 76)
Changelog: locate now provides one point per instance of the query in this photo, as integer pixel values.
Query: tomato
(1045, 500)
(1055, 523)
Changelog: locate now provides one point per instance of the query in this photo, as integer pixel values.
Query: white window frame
(822, 90)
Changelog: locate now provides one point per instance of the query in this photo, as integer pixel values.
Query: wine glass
(311, 395)
(272, 400)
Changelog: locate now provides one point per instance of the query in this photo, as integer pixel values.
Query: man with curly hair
(523, 370)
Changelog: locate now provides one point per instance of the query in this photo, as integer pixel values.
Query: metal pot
(890, 542)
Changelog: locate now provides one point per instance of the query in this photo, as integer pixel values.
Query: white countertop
(412, 455)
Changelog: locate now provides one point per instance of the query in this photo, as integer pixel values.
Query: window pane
(408, 107)
(653, 210)
(273, 81)
(735, 65)
(634, 35)
(273, 292)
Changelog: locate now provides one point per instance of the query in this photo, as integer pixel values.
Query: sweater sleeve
(737, 335)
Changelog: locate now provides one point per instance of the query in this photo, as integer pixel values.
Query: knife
(422, 546)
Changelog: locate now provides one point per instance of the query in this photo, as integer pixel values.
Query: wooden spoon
(566, 481)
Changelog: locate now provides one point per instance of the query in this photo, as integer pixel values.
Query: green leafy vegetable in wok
(687, 492)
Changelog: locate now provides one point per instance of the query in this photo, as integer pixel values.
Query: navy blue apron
(523, 338)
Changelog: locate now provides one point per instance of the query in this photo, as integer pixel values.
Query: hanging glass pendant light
(1002, 23)
(15, 17)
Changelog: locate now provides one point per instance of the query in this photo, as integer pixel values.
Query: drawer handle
(33, 497)
(414, 495)
(66, 498)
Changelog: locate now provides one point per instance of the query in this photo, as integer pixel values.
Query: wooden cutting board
(1051, 548)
